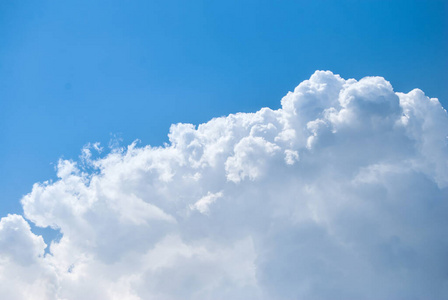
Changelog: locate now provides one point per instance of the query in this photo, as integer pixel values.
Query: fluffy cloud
(340, 194)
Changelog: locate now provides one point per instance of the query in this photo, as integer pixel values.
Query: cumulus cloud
(339, 194)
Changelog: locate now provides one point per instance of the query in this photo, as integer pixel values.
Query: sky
(341, 178)
(78, 72)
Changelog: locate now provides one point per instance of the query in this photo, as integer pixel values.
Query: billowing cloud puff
(340, 194)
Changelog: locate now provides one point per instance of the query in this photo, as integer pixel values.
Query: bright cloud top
(340, 194)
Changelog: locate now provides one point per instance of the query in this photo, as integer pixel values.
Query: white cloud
(24, 272)
(202, 205)
(340, 194)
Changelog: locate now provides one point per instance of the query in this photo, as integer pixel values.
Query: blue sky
(337, 190)
(73, 72)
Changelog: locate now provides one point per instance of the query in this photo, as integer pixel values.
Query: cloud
(340, 194)
(203, 204)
